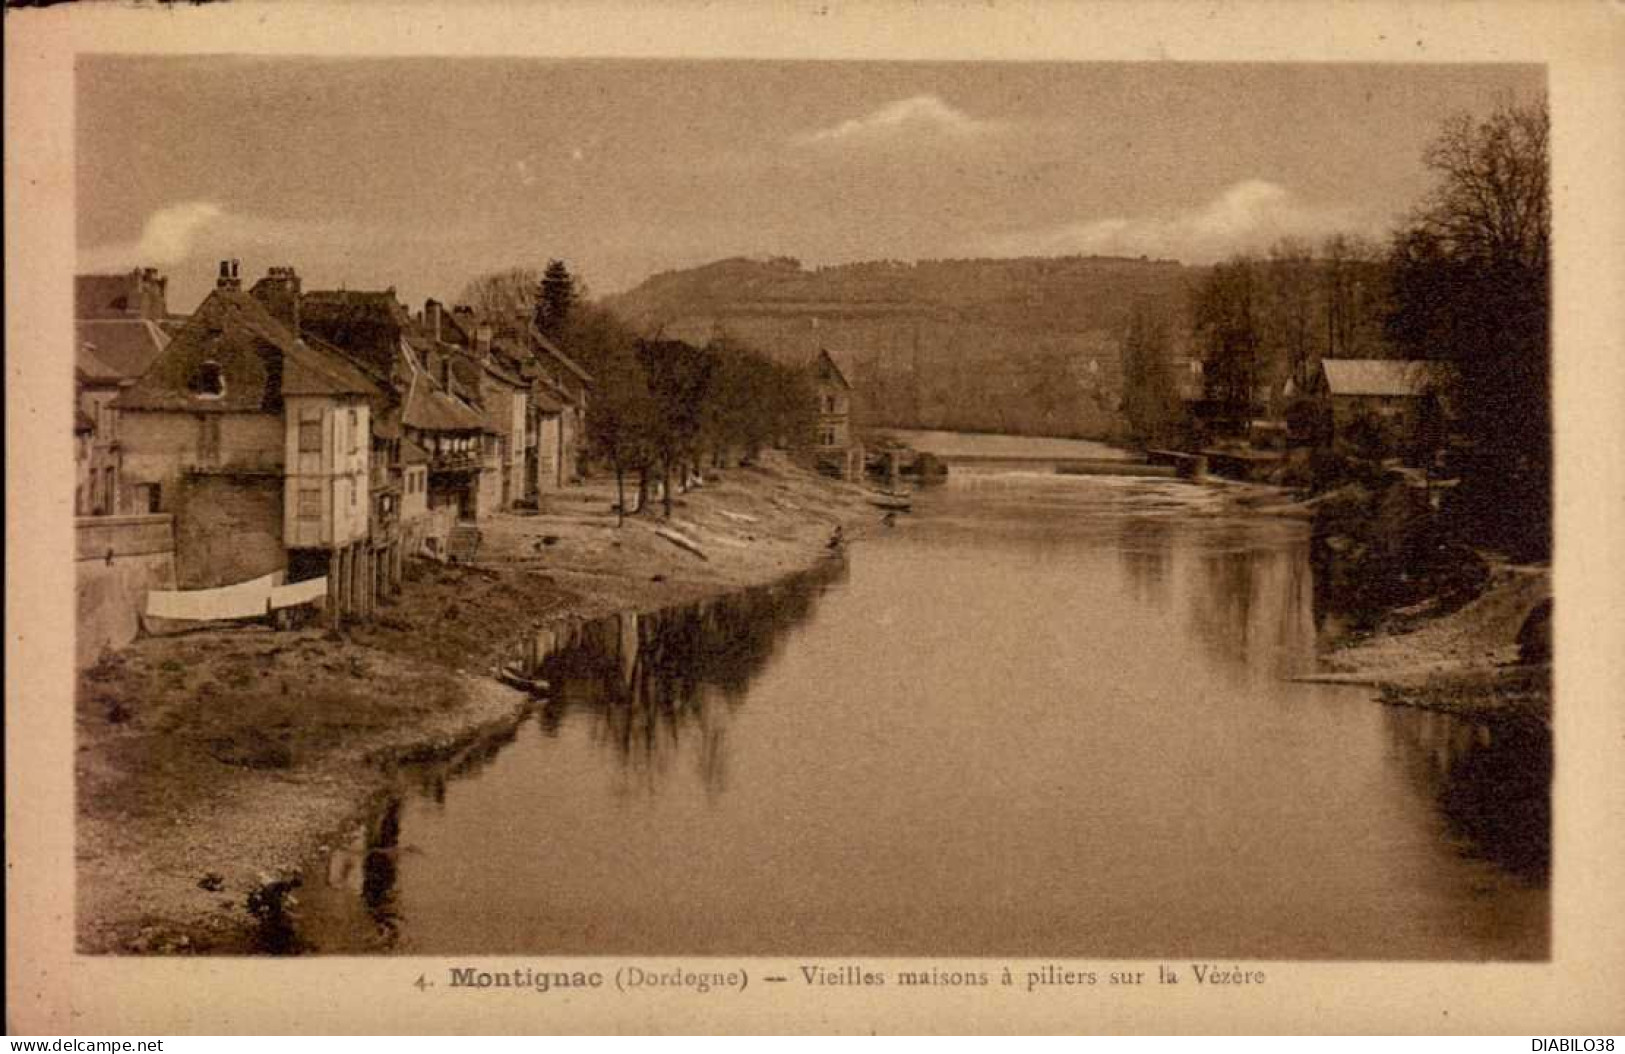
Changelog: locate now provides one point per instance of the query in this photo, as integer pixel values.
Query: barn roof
(1391, 377)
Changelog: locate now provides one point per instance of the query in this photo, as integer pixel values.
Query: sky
(423, 173)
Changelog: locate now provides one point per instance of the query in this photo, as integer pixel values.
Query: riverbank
(211, 765)
(1466, 662)
(1426, 622)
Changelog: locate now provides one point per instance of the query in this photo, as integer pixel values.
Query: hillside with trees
(1028, 345)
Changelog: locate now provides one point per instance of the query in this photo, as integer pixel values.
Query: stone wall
(117, 559)
(228, 529)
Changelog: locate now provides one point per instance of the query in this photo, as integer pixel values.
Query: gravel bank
(211, 764)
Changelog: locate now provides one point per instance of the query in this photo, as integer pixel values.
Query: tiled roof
(367, 326)
(386, 425)
(259, 359)
(546, 403)
(838, 364)
(465, 376)
(120, 348)
(429, 409)
(89, 369)
(413, 454)
(564, 360)
(100, 294)
(1403, 377)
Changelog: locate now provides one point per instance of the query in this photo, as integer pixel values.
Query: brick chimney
(431, 318)
(279, 291)
(482, 341)
(228, 275)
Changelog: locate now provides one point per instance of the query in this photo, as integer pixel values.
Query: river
(1042, 716)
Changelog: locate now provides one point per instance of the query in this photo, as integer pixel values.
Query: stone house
(439, 418)
(503, 397)
(118, 332)
(564, 380)
(836, 450)
(543, 461)
(1384, 402)
(259, 443)
(433, 440)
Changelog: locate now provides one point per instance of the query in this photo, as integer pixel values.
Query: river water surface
(1042, 716)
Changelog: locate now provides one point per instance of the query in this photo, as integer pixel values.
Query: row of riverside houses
(323, 433)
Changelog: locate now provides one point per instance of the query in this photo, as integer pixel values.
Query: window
(208, 380)
(354, 433)
(310, 501)
(155, 495)
(353, 489)
(310, 437)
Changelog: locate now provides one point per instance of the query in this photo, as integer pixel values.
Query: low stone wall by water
(117, 559)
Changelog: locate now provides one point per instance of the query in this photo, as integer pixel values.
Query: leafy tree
(679, 378)
(621, 417)
(1471, 283)
(1150, 397)
(1226, 328)
(556, 298)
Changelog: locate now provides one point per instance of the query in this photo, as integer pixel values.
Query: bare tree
(1288, 312)
(1492, 204)
(1471, 283)
(502, 294)
(1353, 288)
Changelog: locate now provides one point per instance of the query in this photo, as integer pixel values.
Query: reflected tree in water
(1145, 549)
(650, 682)
(1490, 781)
(1256, 603)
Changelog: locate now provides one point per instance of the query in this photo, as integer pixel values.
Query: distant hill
(1025, 345)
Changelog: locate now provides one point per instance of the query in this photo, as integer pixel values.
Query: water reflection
(1145, 549)
(1043, 717)
(366, 868)
(1261, 601)
(1491, 781)
(648, 680)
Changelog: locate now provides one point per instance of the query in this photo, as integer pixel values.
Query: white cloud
(1246, 217)
(192, 229)
(166, 238)
(918, 113)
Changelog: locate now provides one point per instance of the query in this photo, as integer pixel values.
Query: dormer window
(208, 380)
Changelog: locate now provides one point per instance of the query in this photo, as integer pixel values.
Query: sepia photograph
(936, 513)
(755, 508)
